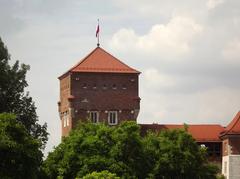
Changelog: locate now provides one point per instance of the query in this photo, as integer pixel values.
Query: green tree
(19, 151)
(175, 154)
(93, 147)
(101, 175)
(13, 99)
(122, 151)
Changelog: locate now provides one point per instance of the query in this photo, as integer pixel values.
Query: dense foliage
(101, 175)
(122, 151)
(175, 154)
(19, 151)
(13, 99)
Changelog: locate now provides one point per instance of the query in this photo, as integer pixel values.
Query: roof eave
(64, 75)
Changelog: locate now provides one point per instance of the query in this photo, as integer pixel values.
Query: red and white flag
(97, 31)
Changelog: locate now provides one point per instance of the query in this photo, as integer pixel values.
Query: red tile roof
(101, 61)
(201, 133)
(233, 127)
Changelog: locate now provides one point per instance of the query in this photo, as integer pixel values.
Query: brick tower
(99, 88)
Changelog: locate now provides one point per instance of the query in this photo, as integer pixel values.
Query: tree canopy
(122, 151)
(175, 154)
(101, 175)
(20, 153)
(13, 98)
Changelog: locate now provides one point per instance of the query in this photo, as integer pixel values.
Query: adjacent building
(223, 143)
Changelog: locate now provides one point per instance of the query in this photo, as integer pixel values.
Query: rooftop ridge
(83, 59)
(118, 59)
(233, 123)
(112, 64)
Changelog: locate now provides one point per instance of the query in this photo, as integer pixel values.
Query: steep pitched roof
(101, 61)
(233, 127)
(201, 133)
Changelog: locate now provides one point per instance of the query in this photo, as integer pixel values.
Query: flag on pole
(97, 34)
(97, 31)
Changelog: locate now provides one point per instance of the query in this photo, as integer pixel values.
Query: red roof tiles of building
(233, 127)
(201, 133)
(101, 61)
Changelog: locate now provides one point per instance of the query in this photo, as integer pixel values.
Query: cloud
(168, 40)
(216, 105)
(188, 53)
(211, 4)
(155, 80)
(231, 51)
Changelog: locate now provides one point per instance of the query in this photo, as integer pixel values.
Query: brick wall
(234, 142)
(63, 105)
(231, 145)
(102, 92)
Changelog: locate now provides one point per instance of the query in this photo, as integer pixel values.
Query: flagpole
(98, 44)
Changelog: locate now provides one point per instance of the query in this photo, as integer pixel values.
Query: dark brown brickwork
(231, 145)
(82, 92)
(63, 104)
(234, 142)
(64, 93)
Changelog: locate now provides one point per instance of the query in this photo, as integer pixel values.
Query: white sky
(188, 52)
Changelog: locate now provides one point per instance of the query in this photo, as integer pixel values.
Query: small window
(65, 119)
(104, 86)
(94, 86)
(124, 87)
(112, 118)
(84, 86)
(94, 115)
(114, 86)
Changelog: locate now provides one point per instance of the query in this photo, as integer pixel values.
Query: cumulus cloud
(187, 52)
(171, 39)
(231, 51)
(190, 108)
(211, 4)
(155, 80)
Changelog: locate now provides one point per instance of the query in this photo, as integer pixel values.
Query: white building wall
(225, 166)
(231, 166)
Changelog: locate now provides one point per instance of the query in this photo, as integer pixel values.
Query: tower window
(94, 86)
(84, 86)
(114, 86)
(104, 86)
(65, 119)
(124, 87)
(94, 116)
(112, 118)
